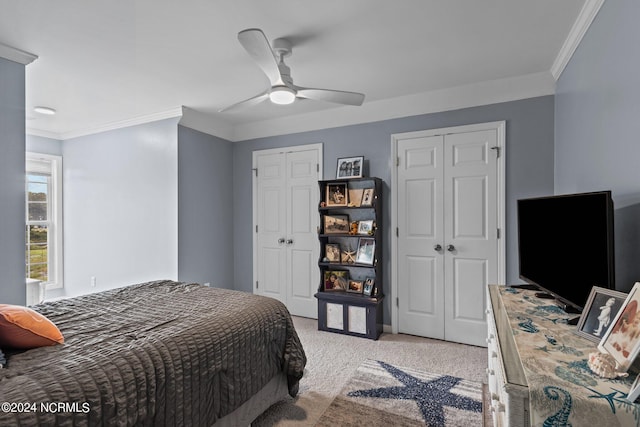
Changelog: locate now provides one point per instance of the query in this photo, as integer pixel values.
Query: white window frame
(50, 165)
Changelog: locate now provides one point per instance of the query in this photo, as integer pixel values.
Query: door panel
(303, 221)
(470, 225)
(420, 268)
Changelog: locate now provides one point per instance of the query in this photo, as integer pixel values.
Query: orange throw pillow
(23, 328)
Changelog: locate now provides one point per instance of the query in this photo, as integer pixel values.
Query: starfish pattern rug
(379, 394)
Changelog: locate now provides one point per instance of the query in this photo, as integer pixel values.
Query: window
(44, 219)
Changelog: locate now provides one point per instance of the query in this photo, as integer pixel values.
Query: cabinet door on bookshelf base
(357, 316)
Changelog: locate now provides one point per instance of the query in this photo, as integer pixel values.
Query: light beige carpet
(333, 358)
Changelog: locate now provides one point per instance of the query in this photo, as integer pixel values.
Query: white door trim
(254, 192)
(499, 127)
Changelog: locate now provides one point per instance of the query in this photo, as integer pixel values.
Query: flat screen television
(565, 245)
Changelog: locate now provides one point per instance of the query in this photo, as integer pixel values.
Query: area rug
(379, 394)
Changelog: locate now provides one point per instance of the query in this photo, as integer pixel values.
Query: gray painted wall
(205, 215)
(42, 145)
(529, 148)
(121, 207)
(597, 125)
(12, 158)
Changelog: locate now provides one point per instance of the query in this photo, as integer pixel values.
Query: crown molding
(472, 95)
(162, 115)
(16, 55)
(579, 29)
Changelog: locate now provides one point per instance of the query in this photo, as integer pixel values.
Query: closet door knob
(281, 240)
(437, 248)
(289, 242)
(451, 248)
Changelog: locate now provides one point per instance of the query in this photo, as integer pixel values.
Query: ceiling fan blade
(328, 95)
(256, 44)
(247, 102)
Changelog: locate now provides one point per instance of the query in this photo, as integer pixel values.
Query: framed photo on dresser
(622, 340)
(601, 307)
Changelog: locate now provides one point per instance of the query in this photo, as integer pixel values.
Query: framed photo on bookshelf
(332, 252)
(335, 280)
(367, 197)
(336, 194)
(369, 284)
(336, 224)
(349, 167)
(365, 227)
(366, 251)
(601, 307)
(355, 286)
(355, 197)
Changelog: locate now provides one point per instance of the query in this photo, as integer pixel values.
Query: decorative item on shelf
(354, 227)
(601, 307)
(366, 251)
(348, 256)
(349, 167)
(335, 280)
(622, 339)
(332, 252)
(367, 197)
(336, 224)
(369, 285)
(604, 365)
(355, 197)
(336, 194)
(365, 227)
(355, 286)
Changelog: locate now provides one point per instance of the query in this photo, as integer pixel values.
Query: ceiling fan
(282, 90)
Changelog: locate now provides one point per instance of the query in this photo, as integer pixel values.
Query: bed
(156, 353)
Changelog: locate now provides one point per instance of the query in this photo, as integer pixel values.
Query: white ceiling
(103, 64)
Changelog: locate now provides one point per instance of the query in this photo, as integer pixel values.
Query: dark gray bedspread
(157, 353)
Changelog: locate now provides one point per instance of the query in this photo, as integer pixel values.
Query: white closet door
(286, 219)
(446, 252)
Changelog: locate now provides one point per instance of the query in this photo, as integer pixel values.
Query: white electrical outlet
(93, 281)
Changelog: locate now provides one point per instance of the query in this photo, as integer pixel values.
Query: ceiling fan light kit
(282, 90)
(282, 95)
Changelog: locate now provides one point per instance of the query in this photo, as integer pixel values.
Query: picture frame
(622, 340)
(336, 194)
(365, 227)
(336, 224)
(332, 252)
(349, 167)
(355, 197)
(367, 197)
(368, 288)
(601, 307)
(355, 286)
(366, 251)
(634, 391)
(335, 280)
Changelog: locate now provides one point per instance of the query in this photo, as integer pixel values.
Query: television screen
(566, 244)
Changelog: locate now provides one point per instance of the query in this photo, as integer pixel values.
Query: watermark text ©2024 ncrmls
(46, 407)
